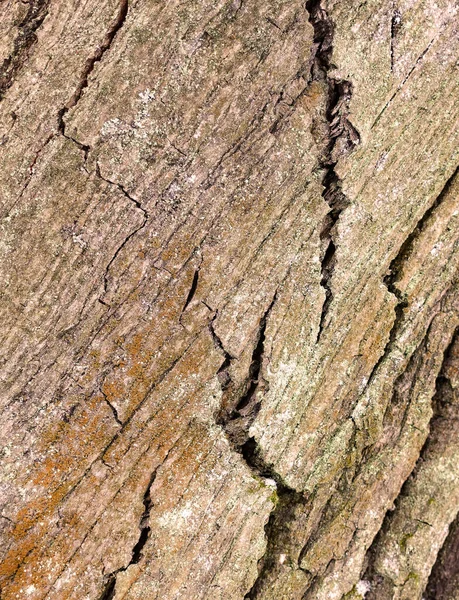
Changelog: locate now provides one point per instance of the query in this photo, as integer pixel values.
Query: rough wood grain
(230, 266)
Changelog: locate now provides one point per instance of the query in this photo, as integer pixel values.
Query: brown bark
(230, 311)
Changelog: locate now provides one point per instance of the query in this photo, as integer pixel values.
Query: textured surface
(229, 311)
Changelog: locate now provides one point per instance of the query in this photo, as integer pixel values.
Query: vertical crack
(37, 12)
(191, 293)
(89, 67)
(112, 408)
(241, 403)
(279, 549)
(83, 83)
(239, 412)
(444, 577)
(237, 419)
(193, 288)
(137, 550)
(240, 406)
(382, 584)
(342, 138)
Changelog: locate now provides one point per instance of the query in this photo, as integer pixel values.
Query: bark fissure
(128, 237)
(378, 580)
(26, 38)
(237, 421)
(342, 138)
(193, 288)
(92, 61)
(83, 83)
(277, 535)
(112, 408)
(399, 87)
(237, 418)
(283, 466)
(137, 550)
(444, 576)
(36, 15)
(395, 267)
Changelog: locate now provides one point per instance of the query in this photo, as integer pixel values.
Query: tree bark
(230, 310)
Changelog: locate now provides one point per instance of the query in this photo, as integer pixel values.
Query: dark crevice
(137, 550)
(444, 578)
(342, 139)
(36, 14)
(241, 403)
(84, 78)
(191, 293)
(90, 64)
(23, 43)
(274, 24)
(380, 584)
(37, 154)
(237, 416)
(279, 538)
(223, 374)
(112, 408)
(82, 85)
(407, 246)
(396, 265)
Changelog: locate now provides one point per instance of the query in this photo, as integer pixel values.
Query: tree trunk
(230, 309)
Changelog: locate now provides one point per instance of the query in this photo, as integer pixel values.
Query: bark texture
(229, 303)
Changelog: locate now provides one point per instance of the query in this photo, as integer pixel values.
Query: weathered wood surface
(229, 257)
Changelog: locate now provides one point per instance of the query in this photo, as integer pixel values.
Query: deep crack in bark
(26, 38)
(83, 83)
(444, 577)
(191, 293)
(395, 267)
(380, 583)
(90, 64)
(137, 550)
(342, 138)
(277, 532)
(236, 419)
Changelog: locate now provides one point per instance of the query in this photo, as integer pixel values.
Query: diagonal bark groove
(137, 550)
(342, 139)
(380, 584)
(93, 60)
(395, 268)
